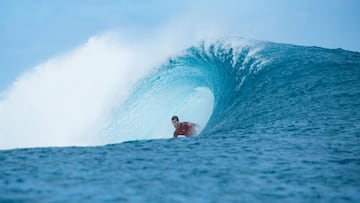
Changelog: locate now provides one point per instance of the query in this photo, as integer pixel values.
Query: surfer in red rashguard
(184, 128)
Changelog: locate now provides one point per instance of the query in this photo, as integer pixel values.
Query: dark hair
(175, 117)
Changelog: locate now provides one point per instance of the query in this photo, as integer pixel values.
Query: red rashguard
(185, 128)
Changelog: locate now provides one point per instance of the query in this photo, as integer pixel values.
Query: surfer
(184, 128)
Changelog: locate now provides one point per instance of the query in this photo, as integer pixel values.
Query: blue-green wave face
(236, 85)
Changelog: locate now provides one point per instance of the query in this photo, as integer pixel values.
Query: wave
(252, 87)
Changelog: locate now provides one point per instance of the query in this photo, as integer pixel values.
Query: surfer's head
(175, 121)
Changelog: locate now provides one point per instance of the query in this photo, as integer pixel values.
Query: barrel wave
(235, 86)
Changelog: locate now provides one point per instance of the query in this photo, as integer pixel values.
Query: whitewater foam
(65, 100)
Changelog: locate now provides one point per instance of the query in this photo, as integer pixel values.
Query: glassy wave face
(236, 86)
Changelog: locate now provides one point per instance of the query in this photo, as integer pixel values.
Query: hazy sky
(33, 31)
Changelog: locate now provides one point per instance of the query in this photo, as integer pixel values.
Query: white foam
(65, 100)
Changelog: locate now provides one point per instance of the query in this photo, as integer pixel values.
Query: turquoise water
(284, 127)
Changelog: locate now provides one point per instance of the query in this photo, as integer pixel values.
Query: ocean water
(281, 123)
